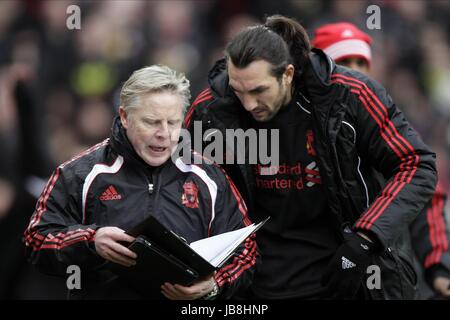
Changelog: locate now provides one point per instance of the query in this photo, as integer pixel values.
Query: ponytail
(295, 37)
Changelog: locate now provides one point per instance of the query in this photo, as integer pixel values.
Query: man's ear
(289, 73)
(123, 117)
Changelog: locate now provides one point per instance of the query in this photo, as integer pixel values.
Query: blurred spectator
(22, 177)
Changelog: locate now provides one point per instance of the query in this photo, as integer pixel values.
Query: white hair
(155, 78)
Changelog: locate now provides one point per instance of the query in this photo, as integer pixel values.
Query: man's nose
(163, 131)
(249, 102)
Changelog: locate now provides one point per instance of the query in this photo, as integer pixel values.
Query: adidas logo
(110, 194)
(347, 264)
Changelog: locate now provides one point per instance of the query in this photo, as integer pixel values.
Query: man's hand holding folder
(108, 246)
(197, 290)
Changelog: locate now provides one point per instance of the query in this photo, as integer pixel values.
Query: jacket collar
(315, 79)
(218, 79)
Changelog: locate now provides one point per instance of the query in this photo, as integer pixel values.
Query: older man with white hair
(90, 200)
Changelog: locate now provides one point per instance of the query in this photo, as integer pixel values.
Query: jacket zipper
(150, 187)
(151, 181)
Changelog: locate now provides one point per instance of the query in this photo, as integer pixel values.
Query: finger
(169, 295)
(117, 258)
(123, 261)
(166, 293)
(120, 235)
(124, 251)
(196, 290)
(192, 292)
(169, 288)
(172, 292)
(186, 293)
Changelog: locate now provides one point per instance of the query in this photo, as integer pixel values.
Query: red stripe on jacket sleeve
(241, 203)
(38, 241)
(401, 147)
(42, 205)
(244, 261)
(436, 225)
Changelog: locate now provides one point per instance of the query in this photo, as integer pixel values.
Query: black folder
(154, 266)
(169, 241)
(162, 256)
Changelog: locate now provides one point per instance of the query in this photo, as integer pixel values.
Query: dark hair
(280, 41)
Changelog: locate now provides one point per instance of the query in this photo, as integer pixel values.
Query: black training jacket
(109, 185)
(360, 135)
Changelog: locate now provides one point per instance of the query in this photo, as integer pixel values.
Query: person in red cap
(345, 44)
(349, 46)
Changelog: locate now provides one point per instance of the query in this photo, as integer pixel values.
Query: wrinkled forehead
(160, 105)
(255, 74)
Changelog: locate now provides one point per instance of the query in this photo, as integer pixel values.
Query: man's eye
(258, 91)
(234, 90)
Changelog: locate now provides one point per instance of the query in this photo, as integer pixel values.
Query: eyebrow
(157, 120)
